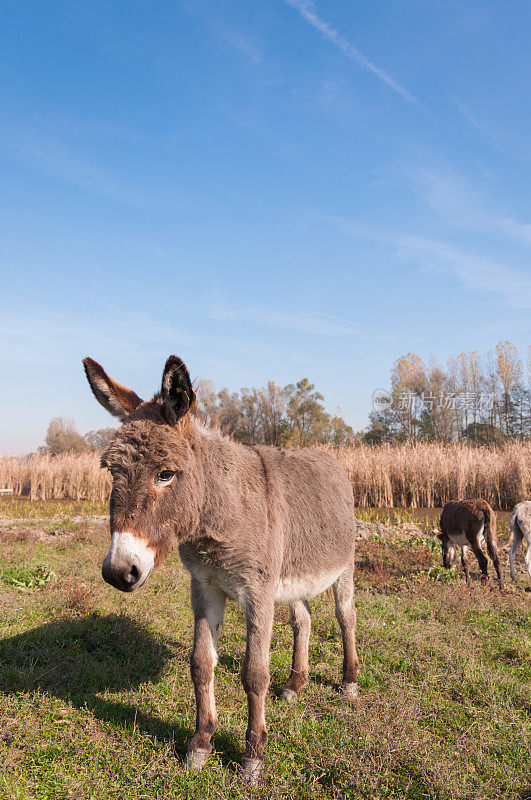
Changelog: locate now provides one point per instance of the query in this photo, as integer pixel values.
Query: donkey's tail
(489, 531)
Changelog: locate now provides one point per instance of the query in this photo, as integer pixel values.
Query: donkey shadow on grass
(76, 660)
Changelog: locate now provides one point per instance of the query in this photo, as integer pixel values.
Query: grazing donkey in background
(252, 523)
(464, 523)
(521, 529)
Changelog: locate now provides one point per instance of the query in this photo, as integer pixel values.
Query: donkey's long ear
(117, 399)
(177, 393)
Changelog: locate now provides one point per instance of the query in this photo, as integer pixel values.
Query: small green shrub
(23, 577)
(441, 574)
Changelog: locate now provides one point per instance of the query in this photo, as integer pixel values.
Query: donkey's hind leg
(300, 620)
(464, 563)
(493, 553)
(515, 544)
(482, 560)
(528, 555)
(346, 616)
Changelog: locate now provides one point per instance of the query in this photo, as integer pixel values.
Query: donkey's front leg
(208, 606)
(255, 679)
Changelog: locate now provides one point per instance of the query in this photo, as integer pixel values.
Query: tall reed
(43, 477)
(421, 475)
(427, 475)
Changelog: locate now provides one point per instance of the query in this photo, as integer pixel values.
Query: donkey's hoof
(349, 692)
(196, 759)
(289, 696)
(252, 769)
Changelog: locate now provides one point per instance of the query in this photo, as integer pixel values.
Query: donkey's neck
(224, 466)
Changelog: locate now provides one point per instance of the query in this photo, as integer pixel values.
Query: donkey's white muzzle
(128, 563)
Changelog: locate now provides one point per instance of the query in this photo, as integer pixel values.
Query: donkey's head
(449, 551)
(158, 486)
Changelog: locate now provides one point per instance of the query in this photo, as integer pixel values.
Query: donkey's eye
(165, 476)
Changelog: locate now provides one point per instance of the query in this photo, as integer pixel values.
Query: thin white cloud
(59, 338)
(471, 119)
(459, 204)
(58, 160)
(516, 230)
(242, 43)
(307, 10)
(474, 272)
(301, 322)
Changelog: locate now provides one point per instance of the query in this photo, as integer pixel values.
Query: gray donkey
(521, 529)
(255, 524)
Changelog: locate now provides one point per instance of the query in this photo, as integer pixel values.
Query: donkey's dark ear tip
(93, 369)
(173, 361)
(176, 389)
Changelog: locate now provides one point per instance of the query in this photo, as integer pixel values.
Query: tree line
(484, 399)
(292, 416)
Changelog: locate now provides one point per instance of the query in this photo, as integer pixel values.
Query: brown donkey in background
(464, 523)
(253, 523)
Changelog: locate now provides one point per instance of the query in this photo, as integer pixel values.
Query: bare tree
(62, 437)
(509, 370)
(98, 440)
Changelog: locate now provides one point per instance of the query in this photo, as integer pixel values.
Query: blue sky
(270, 190)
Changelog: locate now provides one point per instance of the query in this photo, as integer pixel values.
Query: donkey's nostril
(133, 575)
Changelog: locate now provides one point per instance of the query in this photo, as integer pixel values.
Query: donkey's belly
(289, 589)
(459, 538)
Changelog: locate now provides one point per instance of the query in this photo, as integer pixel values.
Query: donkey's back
(463, 519)
(282, 520)
(316, 524)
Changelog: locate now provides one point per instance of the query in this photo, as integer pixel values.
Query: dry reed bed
(421, 475)
(427, 475)
(43, 477)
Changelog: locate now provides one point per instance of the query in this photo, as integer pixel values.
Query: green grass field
(97, 701)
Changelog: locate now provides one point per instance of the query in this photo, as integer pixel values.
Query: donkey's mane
(140, 435)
